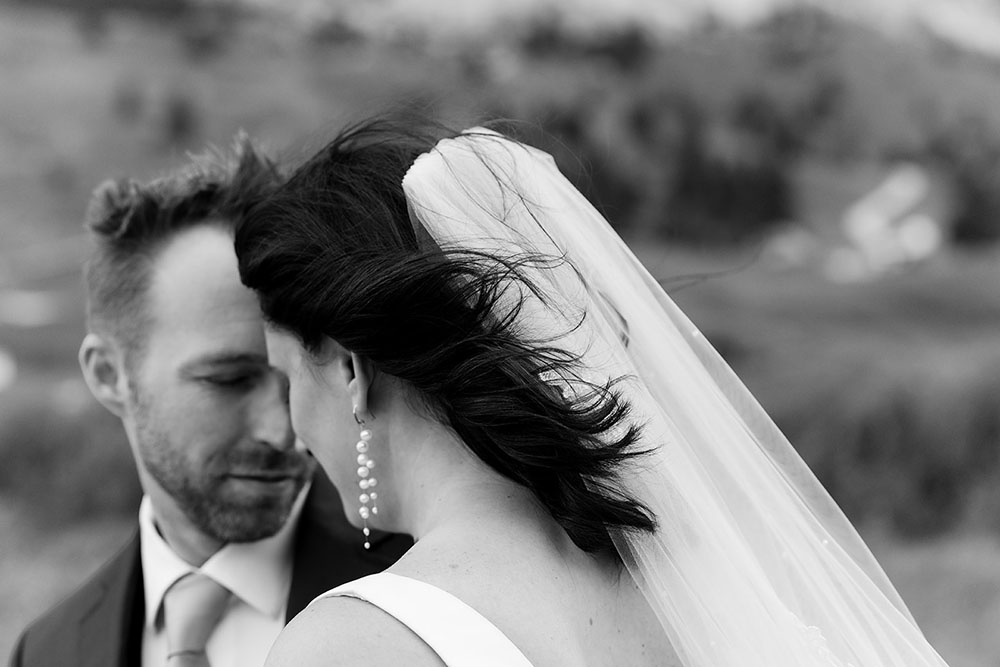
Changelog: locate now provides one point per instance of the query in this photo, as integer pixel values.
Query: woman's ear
(104, 371)
(360, 385)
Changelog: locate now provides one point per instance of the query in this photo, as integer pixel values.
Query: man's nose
(271, 421)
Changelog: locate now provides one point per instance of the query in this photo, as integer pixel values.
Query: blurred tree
(204, 32)
(757, 114)
(180, 119)
(338, 31)
(732, 189)
(567, 133)
(627, 47)
(158, 8)
(545, 38)
(92, 25)
(978, 217)
(970, 153)
(798, 35)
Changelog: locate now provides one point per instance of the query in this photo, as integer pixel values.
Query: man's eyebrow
(225, 359)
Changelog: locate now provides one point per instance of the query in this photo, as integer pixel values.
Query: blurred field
(889, 388)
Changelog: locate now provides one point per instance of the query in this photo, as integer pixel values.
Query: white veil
(753, 562)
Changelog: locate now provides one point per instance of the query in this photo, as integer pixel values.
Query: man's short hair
(131, 222)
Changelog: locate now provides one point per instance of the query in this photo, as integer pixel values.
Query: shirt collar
(258, 573)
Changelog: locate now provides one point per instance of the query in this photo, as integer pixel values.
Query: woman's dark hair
(333, 253)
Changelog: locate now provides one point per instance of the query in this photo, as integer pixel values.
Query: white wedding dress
(459, 634)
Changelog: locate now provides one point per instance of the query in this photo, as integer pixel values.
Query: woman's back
(557, 604)
(514, 566)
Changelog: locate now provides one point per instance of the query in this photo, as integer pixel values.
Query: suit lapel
(111, 627)
(329, 551)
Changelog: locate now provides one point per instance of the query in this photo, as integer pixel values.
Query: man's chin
(245, 516)
(246, 527)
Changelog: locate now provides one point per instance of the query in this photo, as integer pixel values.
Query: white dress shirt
(259, 574)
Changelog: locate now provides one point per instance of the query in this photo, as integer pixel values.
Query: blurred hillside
(757, 152)
(824, 202)
(739, 151)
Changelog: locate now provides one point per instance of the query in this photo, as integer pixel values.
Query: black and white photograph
(500, 333)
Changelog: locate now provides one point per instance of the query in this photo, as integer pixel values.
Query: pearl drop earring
(366, 480)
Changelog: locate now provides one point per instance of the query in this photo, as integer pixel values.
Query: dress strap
(459, 634)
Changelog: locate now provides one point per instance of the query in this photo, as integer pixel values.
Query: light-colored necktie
(192, 607)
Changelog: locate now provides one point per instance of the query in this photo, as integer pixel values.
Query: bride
(475, 358)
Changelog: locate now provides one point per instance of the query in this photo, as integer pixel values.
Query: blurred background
(817, 184)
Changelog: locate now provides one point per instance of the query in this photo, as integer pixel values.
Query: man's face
(207, 414)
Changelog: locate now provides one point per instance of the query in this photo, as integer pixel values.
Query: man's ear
(104, 371)
(360, 385)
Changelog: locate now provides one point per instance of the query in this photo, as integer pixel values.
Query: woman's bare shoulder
(346, 631)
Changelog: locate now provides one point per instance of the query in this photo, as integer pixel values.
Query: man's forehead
(195, 280)
(197, 306)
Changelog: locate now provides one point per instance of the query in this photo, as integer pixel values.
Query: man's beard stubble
(202, 496)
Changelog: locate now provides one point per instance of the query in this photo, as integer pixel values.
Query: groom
(233, 509)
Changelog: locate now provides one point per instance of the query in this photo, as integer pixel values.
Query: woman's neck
(439, 482)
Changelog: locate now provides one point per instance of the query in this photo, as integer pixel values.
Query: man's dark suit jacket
(101, 624)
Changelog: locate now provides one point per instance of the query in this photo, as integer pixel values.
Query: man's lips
(266, 475)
